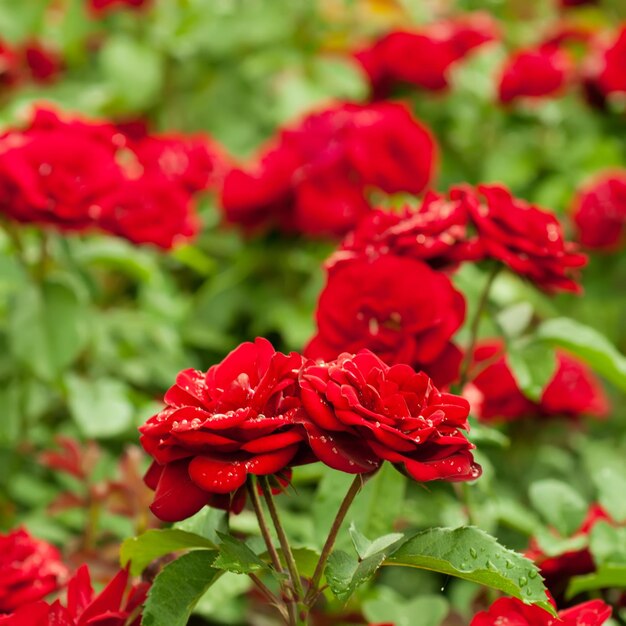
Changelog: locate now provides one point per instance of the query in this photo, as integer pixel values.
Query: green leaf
(431, 610)
(208, 523)
(235, 556)
(47, 327)
(607, 577)
(608, 544)
(101, 408)
(607, 468)
(558, 504)
(532, 365)
(472, 554)
(178, 587)
(133, 70)
(587, 344)
(345, 573)
(142, 550)
(514, 319)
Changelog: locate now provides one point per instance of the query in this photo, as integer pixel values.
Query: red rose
(314, 178)
(514, 612)
(606, 66)
(436, 232)
(525, 238)
(29, 570)
(9, 65)
(44, 64)
(192, 162)
(360, 411)
(218, 427)
(399, 308)
(535, 73)
(55, 172)
(103, 6)
(600, 212)
(113, 606)
(558, 570)
(572, 392)
(148, 210)
(423, 58)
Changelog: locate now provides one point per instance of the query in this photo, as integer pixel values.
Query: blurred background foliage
(90, 344)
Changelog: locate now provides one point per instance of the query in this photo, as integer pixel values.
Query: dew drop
(509, 564)
(523, 581)
(532, 574)
(473, 553)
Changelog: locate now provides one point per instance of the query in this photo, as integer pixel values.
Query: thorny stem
(258, 510)
(282, 537)
(355, 487)
(482, 303)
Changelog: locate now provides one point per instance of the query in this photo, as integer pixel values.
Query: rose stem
(482, 303)
(256, 505)
(282, 537)
(269, 596)
(355, 487)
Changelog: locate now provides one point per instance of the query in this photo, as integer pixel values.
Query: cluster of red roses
(260, 412)
(389, 290)
(77, 175)
(424, 58)
(31, 569)
(314, 176)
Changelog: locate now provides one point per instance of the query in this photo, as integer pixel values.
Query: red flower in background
(558, 570)
(360, 411)
(315, 176)
(605, 70)
(600, 212)
(44, 63)
(55, 172)
(514, 612)
(424, 58)
(29, 570)
(148, 210)
(218, 427)
(113, 606)
(437, 232)
(99, 7)
(573, 391)
(535, 73)
(9, 65)
(525, 238)
(399, 308)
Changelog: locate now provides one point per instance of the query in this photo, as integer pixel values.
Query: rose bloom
(9, 65)
(600, 212)
(149, 210)
(423, 58)
(535, 73)
(55, 171)
(558, 570)
(44, 64)
(437, 232)
(572, 392)
(315, 176)
(397, 307)
(512, 611)
(525, 238)
(360, 411)
(113, 606)
(605, 68)
(219, 427)
(99, 7)
(29, 570)
(193, 162)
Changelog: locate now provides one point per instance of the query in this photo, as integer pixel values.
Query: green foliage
(472, 554)
(178, 588)
(560, 505)
(431, 610)
(142, 550)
